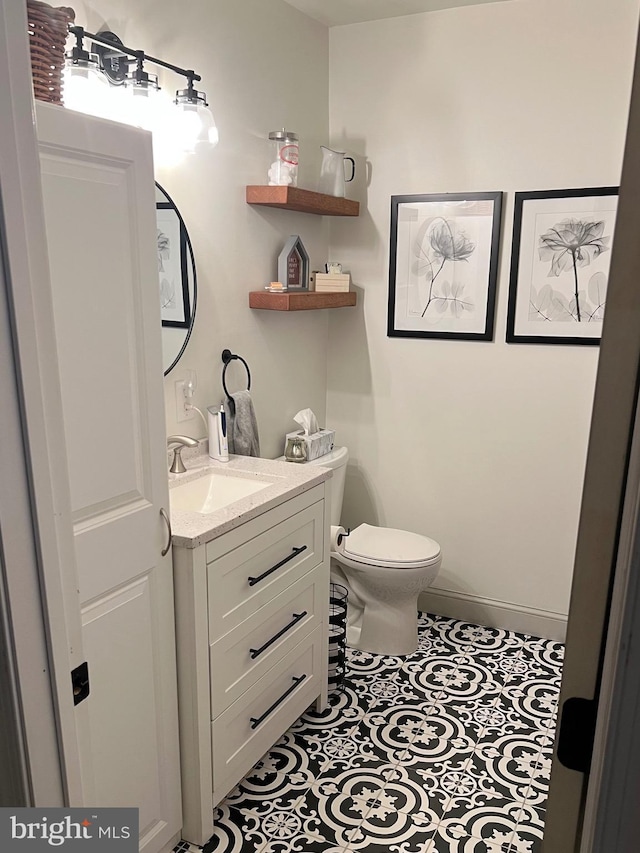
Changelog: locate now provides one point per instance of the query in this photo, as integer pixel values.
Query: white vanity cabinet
(252, 628)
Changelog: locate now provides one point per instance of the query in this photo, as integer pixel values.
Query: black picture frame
(455, 233)
(560, 260)
(173, 279)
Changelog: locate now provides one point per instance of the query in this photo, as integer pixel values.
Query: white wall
(479, 445)
(264, 66)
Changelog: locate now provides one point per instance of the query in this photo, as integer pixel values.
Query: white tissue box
(317, 443)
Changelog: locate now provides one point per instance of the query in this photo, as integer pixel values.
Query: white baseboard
(494, 614)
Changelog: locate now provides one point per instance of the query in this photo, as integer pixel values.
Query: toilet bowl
(384, 571)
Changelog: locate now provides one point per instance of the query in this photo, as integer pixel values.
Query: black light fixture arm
(78, 53)
(139, 56)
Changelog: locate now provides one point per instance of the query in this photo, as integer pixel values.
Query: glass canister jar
(283, 170)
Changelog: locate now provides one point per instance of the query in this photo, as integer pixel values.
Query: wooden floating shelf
(306, 300)
(302, 201)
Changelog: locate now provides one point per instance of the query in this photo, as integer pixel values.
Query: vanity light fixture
(112, 81)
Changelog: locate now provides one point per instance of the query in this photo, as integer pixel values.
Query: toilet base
(387, 631)
(382, 607)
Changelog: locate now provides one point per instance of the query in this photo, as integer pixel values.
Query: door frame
(611, 819)
(15, 780)
(582, 803)
(36, 533)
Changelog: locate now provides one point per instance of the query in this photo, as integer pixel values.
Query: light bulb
(151, 109)
(195, 128)
(187, 127)
(207, 136)
(144, 106)
(85, 88)
(166, 151)
(116, 105)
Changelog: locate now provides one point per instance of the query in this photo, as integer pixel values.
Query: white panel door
(98, 192)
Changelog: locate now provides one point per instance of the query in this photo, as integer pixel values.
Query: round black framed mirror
(177, 280)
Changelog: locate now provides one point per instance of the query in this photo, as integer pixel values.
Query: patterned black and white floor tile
(447, 750)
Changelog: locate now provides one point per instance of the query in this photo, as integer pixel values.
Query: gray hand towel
(242, 429)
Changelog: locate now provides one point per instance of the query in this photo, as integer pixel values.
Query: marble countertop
(192, 529)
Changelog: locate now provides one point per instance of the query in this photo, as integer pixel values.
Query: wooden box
(330, 282)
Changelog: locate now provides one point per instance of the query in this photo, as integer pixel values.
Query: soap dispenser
(218, 445)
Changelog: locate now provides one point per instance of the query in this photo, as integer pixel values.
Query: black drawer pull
(294, 553)
(255, 721)
(296, 618)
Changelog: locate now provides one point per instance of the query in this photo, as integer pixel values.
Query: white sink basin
(213, 491)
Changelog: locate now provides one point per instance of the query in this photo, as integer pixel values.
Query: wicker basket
(48, 31)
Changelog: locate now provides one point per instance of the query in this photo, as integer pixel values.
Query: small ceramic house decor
(293, 265)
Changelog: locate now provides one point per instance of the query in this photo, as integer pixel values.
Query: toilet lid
(385, 546)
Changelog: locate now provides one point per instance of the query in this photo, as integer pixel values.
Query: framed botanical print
(443, 265)
(560, 265)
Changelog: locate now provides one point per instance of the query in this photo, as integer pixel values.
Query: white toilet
(384, 571)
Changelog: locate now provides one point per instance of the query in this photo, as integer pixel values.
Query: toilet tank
(337, 461)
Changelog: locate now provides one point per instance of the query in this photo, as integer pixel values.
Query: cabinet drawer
(241, 581)
(243, 733)
(242, 656)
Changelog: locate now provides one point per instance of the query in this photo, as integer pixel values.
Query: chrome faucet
(182, 441)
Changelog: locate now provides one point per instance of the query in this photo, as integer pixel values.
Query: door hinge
(80, 682)
(577, 732)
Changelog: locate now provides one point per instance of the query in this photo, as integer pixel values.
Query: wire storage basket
(48, 30)
(338, 595)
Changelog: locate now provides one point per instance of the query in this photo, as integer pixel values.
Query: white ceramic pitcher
(332, 172)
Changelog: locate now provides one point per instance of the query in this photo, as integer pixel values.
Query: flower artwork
(443, 265)
(560, 265)
(172, 270)
(444, 242)
(167, 285)
(570, 244)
